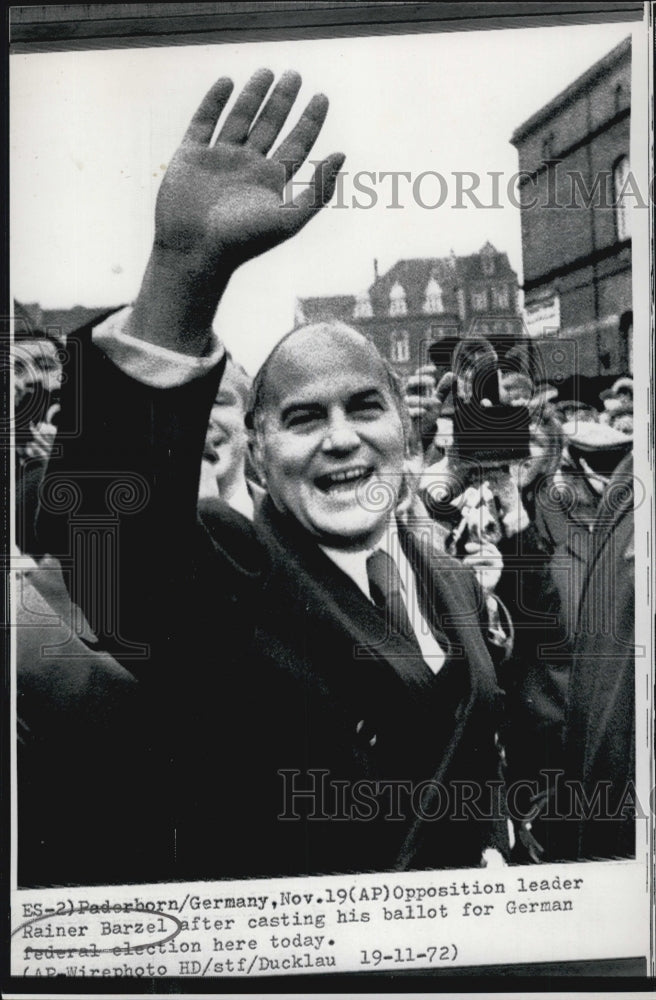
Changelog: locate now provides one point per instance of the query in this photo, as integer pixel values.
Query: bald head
(320, 350)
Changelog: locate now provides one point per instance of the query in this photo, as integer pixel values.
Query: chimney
(375, 268)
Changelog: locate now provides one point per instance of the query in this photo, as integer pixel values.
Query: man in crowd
(37, 372)
(564, 569)
(225, 456)
(311, 694)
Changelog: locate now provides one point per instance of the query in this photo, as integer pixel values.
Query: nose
(341, 437)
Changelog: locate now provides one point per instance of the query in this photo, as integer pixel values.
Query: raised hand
(224, 199)
(221, 202)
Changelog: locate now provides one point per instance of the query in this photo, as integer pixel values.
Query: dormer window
(363, 308)
(398, 305)
(479, 300)
(433, 301)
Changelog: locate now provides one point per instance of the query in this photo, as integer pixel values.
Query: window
(500, 297)
(363, 307)
(398, 306)
(433, 301)
(479, 300)
(620, 178)
(400, 346)
(620, 99)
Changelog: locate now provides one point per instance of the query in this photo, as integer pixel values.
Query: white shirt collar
(354, 564)
(241, 500)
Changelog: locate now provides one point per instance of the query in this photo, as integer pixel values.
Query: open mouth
(345, 480)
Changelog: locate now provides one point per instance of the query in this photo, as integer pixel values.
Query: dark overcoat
(257, 671)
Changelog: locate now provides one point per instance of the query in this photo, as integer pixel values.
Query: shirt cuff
(148, 363)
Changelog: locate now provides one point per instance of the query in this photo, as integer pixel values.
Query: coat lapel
(326, 592)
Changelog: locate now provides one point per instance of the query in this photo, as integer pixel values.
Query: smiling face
(329, 439)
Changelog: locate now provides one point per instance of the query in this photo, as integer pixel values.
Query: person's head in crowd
(546, 445)
(37, 372)
(37, 369)
(226, 441)
(596, 448)
(330, 434)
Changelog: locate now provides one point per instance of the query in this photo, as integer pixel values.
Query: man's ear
(256, 454)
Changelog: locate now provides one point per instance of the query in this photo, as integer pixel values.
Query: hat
(599, 445)
(589, 436)
(623, 384)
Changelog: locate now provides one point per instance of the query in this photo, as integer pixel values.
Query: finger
(417, 401)
(274, 113)
(202, 125)
(319, 191)
(444, 386)
(240, 119)
(295, 148)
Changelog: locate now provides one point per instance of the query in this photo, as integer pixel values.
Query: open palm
(221, 202)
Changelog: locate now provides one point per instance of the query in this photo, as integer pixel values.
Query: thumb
(317, 194)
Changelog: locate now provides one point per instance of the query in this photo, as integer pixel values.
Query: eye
(302, 418)
(225, 398)
(370, 404)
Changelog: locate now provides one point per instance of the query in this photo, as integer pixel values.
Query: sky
(92, 132)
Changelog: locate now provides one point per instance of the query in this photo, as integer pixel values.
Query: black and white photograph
(331, 526)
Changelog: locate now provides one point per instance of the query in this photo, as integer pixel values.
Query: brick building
(421, 301)
(576, 240)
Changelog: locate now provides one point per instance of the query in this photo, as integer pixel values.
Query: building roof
(580, 85)
(470, 268)
(414, 275)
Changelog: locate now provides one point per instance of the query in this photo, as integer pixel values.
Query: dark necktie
(386, 591)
